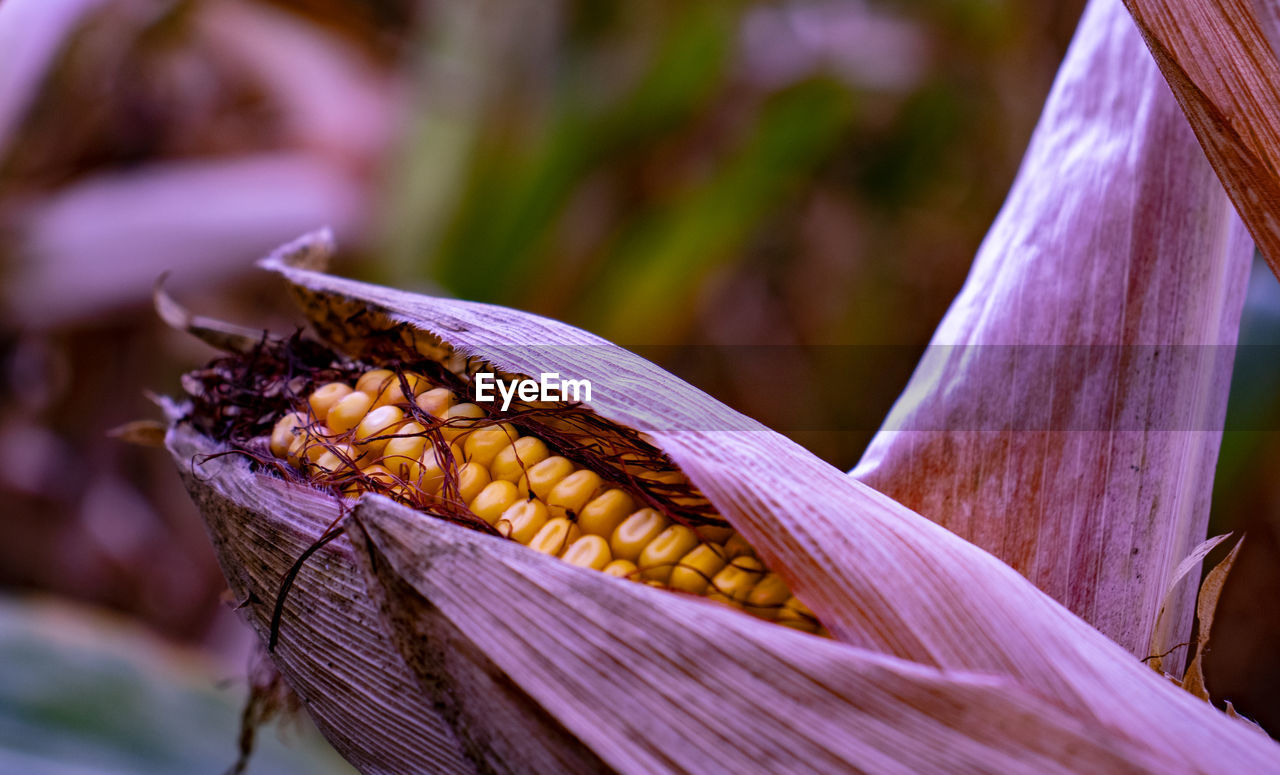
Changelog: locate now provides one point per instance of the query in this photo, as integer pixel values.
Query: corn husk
(333, 650)
(1219, 59)
(1068, 412)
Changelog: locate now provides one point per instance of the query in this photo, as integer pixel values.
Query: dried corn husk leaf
(333, 649)
(1068, 413)
(1217, 59)
(1206, 605)
(880, 577)
(547, 667)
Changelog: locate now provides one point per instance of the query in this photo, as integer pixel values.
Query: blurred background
(675, 177)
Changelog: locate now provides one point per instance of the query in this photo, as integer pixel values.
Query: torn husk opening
(403, 420)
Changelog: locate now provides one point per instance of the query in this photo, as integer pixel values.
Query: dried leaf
(880, 577)
(1233, 713)
(1068, 413)
(214, 333)
(1224, 73)
(145, 433)
(1206, 606)
(1158, 647)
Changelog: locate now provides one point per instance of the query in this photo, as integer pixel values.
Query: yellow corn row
(528, 494)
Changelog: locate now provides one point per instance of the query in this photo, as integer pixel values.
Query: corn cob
(365, 438)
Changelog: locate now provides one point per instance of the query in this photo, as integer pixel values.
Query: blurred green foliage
(618, 167)
(81, 693)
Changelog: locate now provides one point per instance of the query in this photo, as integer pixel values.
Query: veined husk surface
(1068, 412)
(948, 659)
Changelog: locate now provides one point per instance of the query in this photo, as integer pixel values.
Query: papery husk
(1220, 61)
(547, 667)
(882, 578)
(1068, 412)
(333, 649)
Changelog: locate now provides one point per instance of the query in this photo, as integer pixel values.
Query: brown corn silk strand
(1116, 239)
(879, 576)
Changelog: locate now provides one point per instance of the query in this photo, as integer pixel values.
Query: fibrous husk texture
(1067, 414)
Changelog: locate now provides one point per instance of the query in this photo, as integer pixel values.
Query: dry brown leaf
(1192, 561)
(214, 333)
(1216, 57)
(146, 433)
(1068, 413)
(1206, 606)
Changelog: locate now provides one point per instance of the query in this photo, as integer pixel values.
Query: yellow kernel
(406, 447)
(623, 569)
(374, 381)
(472, 478)
(522, 520)
(324, 397)
(572, 493)
(543, 476)
(348, 412)
(335, 460)
(493, 500)
(308, 445)
(382, 421)
(735, 581)
(589, 552)
(555, 536)
(377, 475)
(282, 436)
(737, 546)
(635, 532)
(484, 444)
(393, 394)
(435, 402)
(427, 472)
(714, 534)
(796, 615)
(456, 420)
(511, 463)
(660, 556)
(696, 569)
(767, 596)
(603, 513)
